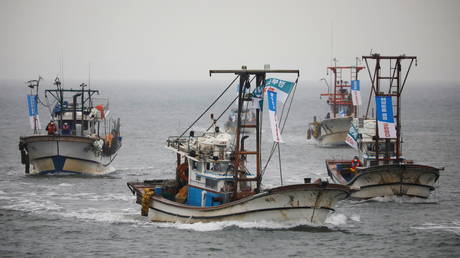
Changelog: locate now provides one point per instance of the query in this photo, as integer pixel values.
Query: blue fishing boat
(215, 181)
(81, 137)
(380, 169)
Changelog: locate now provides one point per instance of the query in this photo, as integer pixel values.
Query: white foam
(453, 227)
(355, 217)
(336, 219)
(403, 199)
(64, 185)
(121, 216)
(33, 206)
(110, 197)
(216, 226)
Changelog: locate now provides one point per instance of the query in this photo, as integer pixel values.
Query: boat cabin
(205, 169)
(369, 148)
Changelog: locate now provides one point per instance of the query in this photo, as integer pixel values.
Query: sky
(181, 40)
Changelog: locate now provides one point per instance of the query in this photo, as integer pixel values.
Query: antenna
(62, 65)
(332, 43)
(89, 75)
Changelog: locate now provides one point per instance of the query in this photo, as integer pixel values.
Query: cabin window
(211, 183)
(196, 165)
(198, 177)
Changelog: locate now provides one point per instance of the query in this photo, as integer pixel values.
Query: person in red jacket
(51, 128)
(355, 163)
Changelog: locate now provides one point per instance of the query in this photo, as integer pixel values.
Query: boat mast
(243, 88)
(337, 97)
(395, 87)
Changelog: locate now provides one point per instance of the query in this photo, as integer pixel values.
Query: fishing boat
(214, 180)
(343, 102)
(381, 169)
(81, 137)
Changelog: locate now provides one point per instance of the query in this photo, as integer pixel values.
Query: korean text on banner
(352, 137)
(356, 92)
(281, 87)
(271, 97)
(385, 118)
(33, 111)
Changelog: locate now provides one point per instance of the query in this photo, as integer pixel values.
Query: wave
(332, 223)
(453, 227)
(403, 199)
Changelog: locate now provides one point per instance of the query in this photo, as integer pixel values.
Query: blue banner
(355, 85)
(385, 119)
(271, 96)
(356, 92)
(32, 105)
(271, 100)
(384, 106)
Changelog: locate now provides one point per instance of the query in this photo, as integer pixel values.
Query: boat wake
(228, 225)
(402, 199)
(453, 227)
(333, 223)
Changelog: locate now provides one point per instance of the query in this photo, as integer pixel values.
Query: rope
(212, 104)
(279, 160)
(226, 109)
(231, 103)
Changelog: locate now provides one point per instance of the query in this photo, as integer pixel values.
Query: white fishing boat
(213, 179)
(381, 169)
(332, 130)
(81, 137)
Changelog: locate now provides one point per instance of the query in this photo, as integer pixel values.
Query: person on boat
(66, 129)
(51, 128)
(355, 163)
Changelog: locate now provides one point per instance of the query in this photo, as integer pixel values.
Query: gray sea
(74, 216)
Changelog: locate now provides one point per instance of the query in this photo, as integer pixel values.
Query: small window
(198, 178)
(211, 183)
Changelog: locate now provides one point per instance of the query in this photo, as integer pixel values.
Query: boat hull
(63, 154)
(309, 203)
(333, 132)
(389, 180)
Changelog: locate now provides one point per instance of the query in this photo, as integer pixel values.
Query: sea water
(74, 216)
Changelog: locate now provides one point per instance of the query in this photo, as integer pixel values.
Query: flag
(33, 111)
(272, 98)
(257, 97)
(282, 88)
(352, 137)
(385, 118)
(356, 92)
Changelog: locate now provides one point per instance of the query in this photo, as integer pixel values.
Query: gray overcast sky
(181, 40)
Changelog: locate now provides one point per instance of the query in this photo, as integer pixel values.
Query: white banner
(271, 98)
(352, 137)
(356, 92)
(281, 87)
